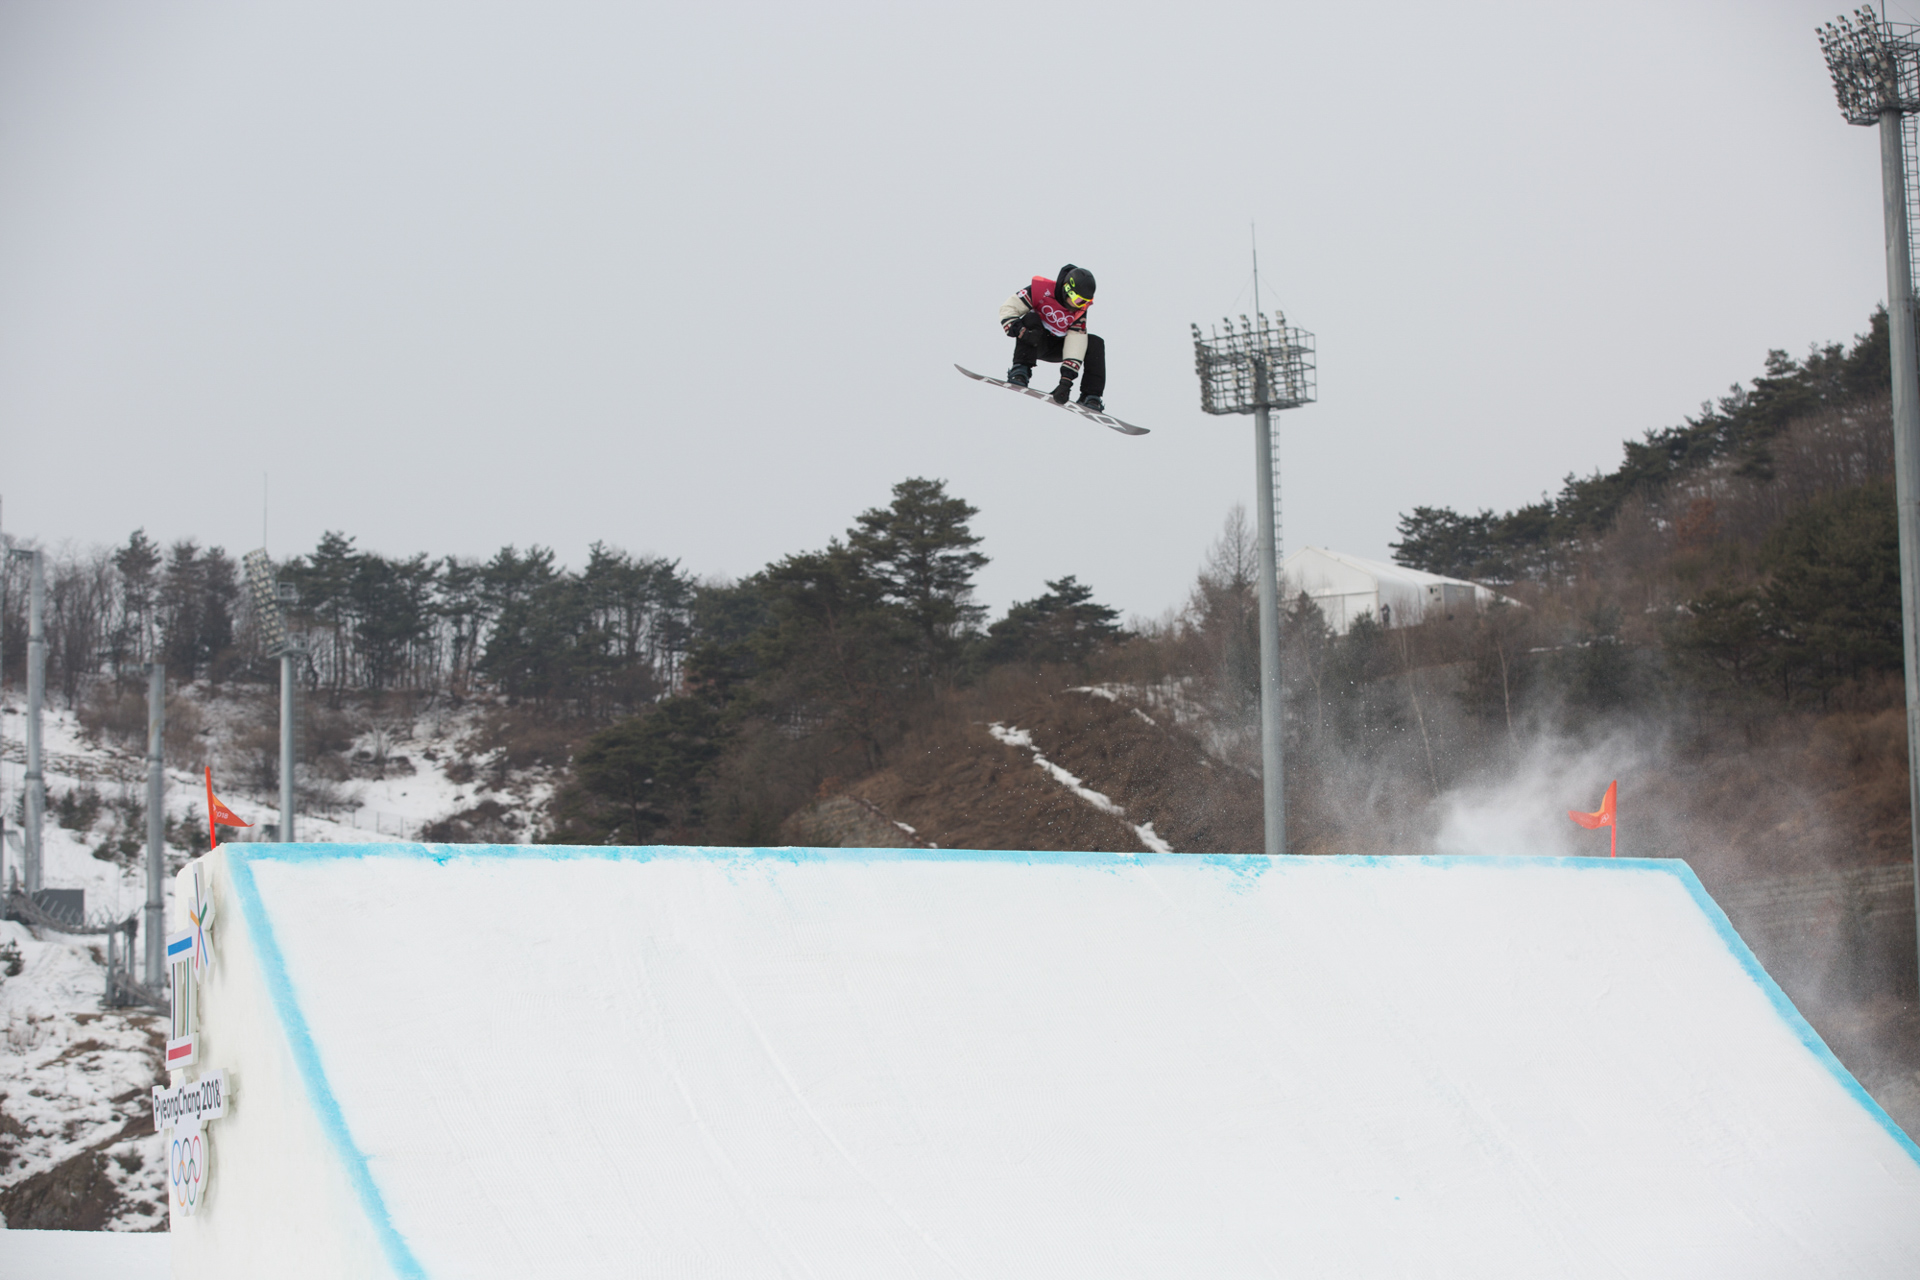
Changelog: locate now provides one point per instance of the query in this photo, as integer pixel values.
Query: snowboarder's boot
(1093, 403)
(1019, 375)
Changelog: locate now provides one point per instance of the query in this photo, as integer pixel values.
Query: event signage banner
(184, 1109)
(202, 1099)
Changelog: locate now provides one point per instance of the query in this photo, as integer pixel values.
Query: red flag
(1603, 817)
(218, 815)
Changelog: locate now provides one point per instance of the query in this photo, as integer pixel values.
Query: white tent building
(1347, 586)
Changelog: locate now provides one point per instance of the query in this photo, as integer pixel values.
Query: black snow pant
(1036, 344)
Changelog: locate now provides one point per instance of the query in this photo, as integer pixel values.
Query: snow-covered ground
(82, 1255)
(74, 1076)
(877, 1063)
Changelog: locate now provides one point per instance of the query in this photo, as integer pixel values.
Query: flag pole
(212, 831)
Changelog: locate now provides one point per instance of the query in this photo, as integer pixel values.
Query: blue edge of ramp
(401, 1257)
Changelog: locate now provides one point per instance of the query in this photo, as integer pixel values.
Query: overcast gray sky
(691, 278)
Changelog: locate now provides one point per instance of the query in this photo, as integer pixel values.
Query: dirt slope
(960, 787)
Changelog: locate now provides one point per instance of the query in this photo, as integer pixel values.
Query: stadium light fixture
(272, 600)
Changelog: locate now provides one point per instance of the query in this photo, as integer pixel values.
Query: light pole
(156, 923)
(1876, 76)
(270, 602)
(5, 553)
(287, 598)
(34, 801)
(1256, 369)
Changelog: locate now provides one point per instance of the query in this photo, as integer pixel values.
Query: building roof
(1381, 569)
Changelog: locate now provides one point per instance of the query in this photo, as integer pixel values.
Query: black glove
(1019, 324)
(1069, 370)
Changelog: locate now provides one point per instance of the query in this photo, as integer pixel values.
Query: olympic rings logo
(187, 1169)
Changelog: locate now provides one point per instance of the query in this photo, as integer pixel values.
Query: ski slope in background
(501, 1061)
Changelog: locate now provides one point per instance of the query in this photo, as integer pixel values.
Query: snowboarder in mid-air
(1047, 320)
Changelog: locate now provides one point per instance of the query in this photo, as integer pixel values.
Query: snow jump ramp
(476, 1061)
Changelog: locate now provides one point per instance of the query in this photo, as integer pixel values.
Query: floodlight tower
(34, 802)
(156, 923)
(1876, 76)
(271, 600)
(1257, 368)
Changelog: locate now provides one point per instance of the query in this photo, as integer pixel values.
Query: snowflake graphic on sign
(200, 918)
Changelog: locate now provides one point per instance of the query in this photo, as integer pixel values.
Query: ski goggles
(1075, 301)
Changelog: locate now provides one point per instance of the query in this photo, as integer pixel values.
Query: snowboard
(1105, 420)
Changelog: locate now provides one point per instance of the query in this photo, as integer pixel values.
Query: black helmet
(1074, 287)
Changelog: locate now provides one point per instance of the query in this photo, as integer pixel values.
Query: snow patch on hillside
(1224, 740)
(1016, 737)
(75, 1077)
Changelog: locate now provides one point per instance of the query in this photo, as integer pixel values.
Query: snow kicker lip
(1104, 419)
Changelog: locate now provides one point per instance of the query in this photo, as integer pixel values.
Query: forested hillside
(600, 640)
(1733, 570)
(1777, 435)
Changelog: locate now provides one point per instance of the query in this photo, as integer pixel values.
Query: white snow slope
(471, 1061)
(82, 1255)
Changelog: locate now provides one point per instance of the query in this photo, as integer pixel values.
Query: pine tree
(133, 638)
(198, 594)
(1062, 626)
(920, 552)
(835, 655)
(391, 601)
(1832, 605)
(642, 775)
(325, 580)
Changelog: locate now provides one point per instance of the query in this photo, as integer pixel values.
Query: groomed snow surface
(474, 1062)
(83, 1255)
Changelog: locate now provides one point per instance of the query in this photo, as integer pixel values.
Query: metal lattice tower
(1279, 492)
(1876, 77)
(1910, 169)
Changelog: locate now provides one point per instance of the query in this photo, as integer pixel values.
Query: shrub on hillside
(640, 776)
(1827, 613)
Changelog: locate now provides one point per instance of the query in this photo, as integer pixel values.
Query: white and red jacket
(1060, 319)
